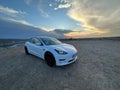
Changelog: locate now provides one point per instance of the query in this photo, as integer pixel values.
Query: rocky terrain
(97, 68)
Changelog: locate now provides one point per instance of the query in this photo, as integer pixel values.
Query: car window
(50, 41)
(34, 40)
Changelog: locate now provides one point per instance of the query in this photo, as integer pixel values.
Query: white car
(51, 50)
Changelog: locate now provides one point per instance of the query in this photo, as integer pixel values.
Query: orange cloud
(97, 18)
(84, 34)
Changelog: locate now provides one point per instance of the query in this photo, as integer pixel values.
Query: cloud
(10, 11)
(23, 22)
(40, 5)
(101, 17)
(28, 2)
(50, 5)
(62, 1)
(47, 29)
(20, 21)
(43, 13)
(22, 29)
(61, 31)
(61, 6)
(82, 34)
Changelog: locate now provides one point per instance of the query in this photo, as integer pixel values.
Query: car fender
(52, 51)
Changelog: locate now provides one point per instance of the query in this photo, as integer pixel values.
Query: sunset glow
(82, 18)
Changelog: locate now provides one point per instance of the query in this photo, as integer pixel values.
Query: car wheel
(50, 60)
(26, 51)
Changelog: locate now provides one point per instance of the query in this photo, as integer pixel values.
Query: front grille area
(62, 59)
(74, 56)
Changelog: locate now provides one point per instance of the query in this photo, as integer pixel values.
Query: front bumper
(64, 60)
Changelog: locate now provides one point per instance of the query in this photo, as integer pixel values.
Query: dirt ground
(97, 68)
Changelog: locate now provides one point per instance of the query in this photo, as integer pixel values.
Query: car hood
(65, 47)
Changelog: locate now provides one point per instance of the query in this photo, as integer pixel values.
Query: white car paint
(61, 59)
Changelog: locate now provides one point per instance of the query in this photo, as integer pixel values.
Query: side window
(35, 41)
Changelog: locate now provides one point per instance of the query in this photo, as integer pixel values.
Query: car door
(37, 47)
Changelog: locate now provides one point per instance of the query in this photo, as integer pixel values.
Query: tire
(26, 50)
(50, 60)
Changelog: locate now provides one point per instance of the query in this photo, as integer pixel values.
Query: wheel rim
(50, 61)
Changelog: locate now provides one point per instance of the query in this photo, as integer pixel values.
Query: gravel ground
(97, 68)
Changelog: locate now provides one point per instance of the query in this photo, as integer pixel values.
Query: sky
(82, 18)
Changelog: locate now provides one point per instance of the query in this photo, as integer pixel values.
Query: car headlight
(61, 52)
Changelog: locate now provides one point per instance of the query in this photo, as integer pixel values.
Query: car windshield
(50, 41)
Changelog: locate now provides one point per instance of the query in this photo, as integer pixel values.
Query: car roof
(42, 37)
